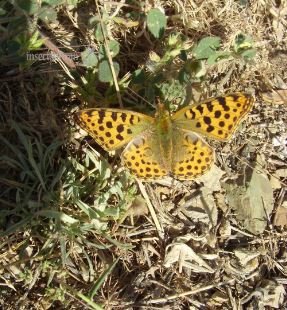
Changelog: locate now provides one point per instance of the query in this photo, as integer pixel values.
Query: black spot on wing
(114, 116)
(109, 124)
(217, 114)
(234, 97)
(120, 128)
(222, 102)
(101, 114)
(119, 137)
(89, 113)
(207, 120)
(209, 106)
(189, 114)
(132, 120)
(199, 108)
(209, 128)
(227, 115)
(123, 117)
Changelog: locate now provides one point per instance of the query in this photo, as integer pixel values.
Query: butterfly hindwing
(193, 158)
(142, 156)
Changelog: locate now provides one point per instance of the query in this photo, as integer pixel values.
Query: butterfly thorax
(163, 125)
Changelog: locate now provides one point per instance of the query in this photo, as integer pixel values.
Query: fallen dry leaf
(218, 299)
(269, 293)
(280, 218)
(184, 255)
(244, 256)
(251, 198)
(276, 96)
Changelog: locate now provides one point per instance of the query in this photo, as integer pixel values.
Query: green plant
(156, 22)
(182, 63)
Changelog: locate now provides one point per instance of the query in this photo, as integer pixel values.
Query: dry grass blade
(191, 292)
(151, 209)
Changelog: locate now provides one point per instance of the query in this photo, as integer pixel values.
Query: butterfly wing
(192, 156)
(216, 118)
(113, 128)
(142, 157)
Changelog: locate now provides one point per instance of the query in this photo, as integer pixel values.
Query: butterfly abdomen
(164, 132)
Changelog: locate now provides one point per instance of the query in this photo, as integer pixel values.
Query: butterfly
(167, 144)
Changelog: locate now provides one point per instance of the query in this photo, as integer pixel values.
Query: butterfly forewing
(112, 128)
(215, 118)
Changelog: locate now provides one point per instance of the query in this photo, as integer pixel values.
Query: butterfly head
(161, 112)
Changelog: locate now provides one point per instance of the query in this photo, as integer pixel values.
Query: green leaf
(35, 41)
(184, 77)
(48, 14)
(89, 58)
(54, 3)
(29, 42)
(100, 33)
(195, 68)
(206, 47)
(72, 3)
(2, 12)
(217, 56)
(138, 76)
(105, 73)
(243, 45)
(114, 48)
(156, 22)
(57, 215)
(242, 42)
(249, 54)
(30, 6)
(172, 91)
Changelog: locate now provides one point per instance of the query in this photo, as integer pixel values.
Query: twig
(188, 293)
